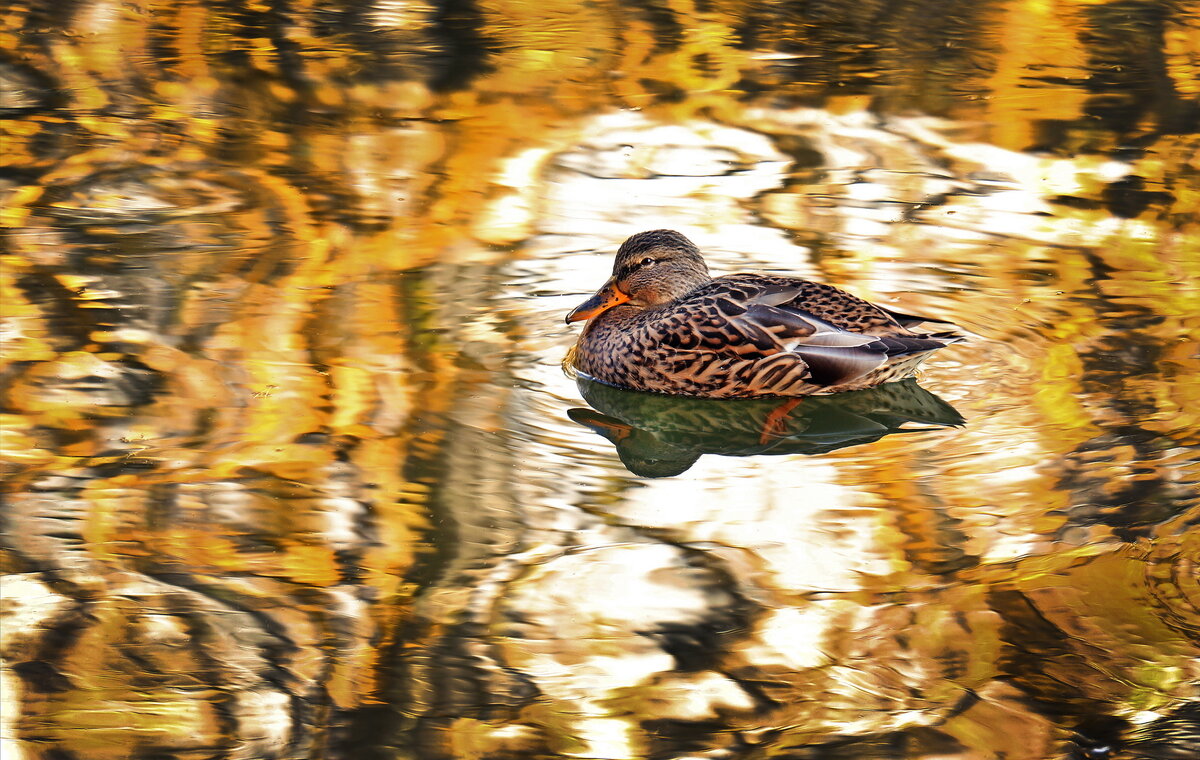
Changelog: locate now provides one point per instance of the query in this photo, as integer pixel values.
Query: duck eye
(646, 262)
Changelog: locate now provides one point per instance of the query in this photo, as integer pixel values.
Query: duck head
(651, 268)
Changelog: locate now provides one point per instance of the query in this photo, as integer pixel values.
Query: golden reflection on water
(290, 467)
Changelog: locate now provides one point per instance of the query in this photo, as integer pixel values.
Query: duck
(662, 324)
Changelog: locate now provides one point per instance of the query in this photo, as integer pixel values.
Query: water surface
(292, 468)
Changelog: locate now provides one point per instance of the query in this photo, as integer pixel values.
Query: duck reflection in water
(659, 436)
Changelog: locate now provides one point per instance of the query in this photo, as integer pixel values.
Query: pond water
(293, 468)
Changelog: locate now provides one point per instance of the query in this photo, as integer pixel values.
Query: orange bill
(606, 297)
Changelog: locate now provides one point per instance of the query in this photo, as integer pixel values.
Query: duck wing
(925, 325)
(758, 319)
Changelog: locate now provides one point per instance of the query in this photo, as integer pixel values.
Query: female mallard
(662, 324)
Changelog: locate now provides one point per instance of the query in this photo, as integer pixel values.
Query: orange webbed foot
(776, 423)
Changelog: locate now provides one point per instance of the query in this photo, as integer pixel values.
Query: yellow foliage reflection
(288, 466)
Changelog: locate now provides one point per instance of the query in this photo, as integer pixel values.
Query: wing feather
(760, 319)
(832, 365)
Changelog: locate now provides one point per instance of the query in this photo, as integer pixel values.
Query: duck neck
(616, 318)
(689, 280)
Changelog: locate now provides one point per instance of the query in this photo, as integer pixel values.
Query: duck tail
(947, 337)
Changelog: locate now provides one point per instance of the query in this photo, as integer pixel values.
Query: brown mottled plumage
(662, 324)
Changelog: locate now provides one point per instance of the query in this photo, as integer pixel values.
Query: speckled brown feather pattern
(738, 336)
